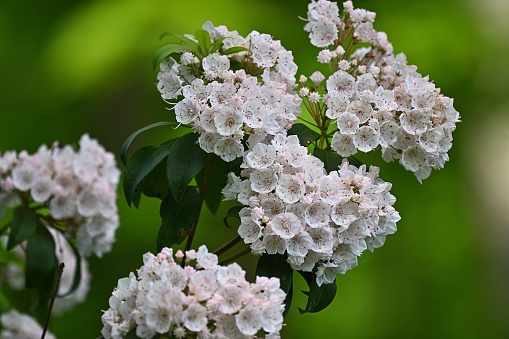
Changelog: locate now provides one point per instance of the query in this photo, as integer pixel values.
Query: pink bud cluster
(323, 222)
(202, 299)
(78, 188)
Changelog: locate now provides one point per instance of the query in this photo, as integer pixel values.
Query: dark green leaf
(288, 300)
(155, 184)
(217, 179)
(129, 140)
(164, 52)
(275, 265)
(77, 270)
(131, 334)
(41, 262)
(24, 223)
(179, 219)
(354, 161)
(319, 297)
(232, 50)
(185, 160)
(217, 45)
(305, 134)
(232, 213)
(141, 164)
(331, 160)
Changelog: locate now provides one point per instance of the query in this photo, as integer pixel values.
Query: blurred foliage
(85, 66)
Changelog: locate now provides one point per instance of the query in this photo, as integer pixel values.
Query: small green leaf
(185, 160)
(193, 46)
(319, 297)
(203, 38)
(232, 213)
(129, 140)
(217, 179)
(305, 134)
(236, 49)
(77, 270)
(217, 45)
(275, 265)
(178, 219)
(164, 52)
(288, 300)
(41, 261)
(24, 223)
(141, 164)
(331, 160)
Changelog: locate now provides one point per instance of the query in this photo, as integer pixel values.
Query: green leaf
(232, 213)
(178, 219)
(354, 161)
(305, 134)
(217, 45)
(217, 179)
(155, 184)
(164, 52)
(236, 49)
(275, 265)
(141, 164)
(193, 46)
(185, 160)
(288, 300)
(203, 38)
(129, 140)
(77, 270)
(41, 262)
(319, 297)
(331, 160)
(24, 223)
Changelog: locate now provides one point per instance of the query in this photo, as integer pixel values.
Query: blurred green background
(70, 67)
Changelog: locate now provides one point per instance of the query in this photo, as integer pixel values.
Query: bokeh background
(83, 66)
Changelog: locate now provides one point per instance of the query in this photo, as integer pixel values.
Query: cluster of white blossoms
(375, 98)
(21, 326)
(79, 189)
(15, 275)
(322, 221)
(223, 103)
(203, 300)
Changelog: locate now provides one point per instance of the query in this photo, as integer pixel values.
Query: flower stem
(202, 192)
(235, 256)
(46, 324)
(228, 245)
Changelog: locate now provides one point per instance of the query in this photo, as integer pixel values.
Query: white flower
(286, 225)
(17, 325)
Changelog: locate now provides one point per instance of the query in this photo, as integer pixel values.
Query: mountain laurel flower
(221, 104)
(187, 302)
(323, 221)
(400, 112)
(77, 187)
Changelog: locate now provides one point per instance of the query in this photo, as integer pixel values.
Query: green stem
(235, 256)
(203, 189)
(228, 245)
(46, 324)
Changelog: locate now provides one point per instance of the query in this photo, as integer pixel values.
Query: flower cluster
(375, 98)
(196, 300)
(77, 188)
(322, 221)
(17, 325)
(15, 275)
(226, 96)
